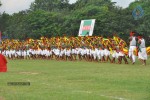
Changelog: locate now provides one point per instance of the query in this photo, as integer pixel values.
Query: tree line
(52, 18)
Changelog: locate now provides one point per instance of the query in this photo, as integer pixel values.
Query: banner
(86, 27)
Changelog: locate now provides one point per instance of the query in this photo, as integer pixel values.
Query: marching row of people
(90, 48)
(68, 53)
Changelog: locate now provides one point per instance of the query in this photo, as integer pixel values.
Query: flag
(86, 27)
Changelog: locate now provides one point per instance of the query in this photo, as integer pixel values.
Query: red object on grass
(3, 63)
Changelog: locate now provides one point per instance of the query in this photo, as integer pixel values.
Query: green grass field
(58, 80)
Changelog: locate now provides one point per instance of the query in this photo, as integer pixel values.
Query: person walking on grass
(132, 47)
(142, 55)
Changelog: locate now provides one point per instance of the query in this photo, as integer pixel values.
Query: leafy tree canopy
(57, 17)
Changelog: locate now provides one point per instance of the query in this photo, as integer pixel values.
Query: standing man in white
(132, 47)
(142, 55)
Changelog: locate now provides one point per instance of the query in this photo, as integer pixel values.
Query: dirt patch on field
(2, 98)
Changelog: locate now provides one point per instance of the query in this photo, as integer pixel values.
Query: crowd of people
(88, 48)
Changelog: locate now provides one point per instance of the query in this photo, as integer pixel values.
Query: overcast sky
(14, 6)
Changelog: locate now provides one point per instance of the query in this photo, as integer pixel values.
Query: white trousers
(131, 54)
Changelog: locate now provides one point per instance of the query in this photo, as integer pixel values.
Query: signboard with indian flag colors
(86, 27)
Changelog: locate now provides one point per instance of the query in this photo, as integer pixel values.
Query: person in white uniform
(114, 54)
(132, 47)
(107, 53)
(142, 55)
(62, 53)
(68, 53)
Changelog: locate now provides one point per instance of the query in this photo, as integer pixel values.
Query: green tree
(142, 25)
(50, 5)
(42, 23)
(16, 26)
(57, 17)
(3, 22)
(0, 3)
